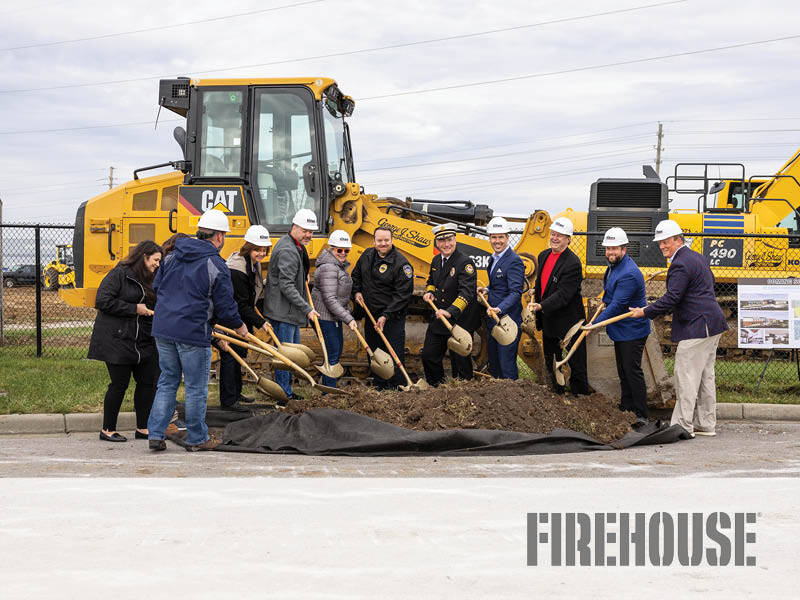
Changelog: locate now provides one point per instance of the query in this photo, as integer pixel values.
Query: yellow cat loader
(259, 150)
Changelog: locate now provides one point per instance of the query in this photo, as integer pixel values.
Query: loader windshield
(336, 148)
(221, 134)
(283, 133)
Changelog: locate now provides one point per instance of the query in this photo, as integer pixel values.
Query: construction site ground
(741, 449)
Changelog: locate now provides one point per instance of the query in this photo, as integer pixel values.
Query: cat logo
(382, 268)
(224, 200)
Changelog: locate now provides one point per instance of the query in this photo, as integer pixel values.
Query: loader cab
(283, 144)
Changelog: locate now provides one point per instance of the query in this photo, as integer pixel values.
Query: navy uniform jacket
(690, 296)
(506, 283)
(623, 285)
(561, 302)
(454, 287)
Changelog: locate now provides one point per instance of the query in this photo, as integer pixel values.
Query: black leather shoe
(246, 400)
(235, 407)
(157, 445)
(139, 435)
(114, 437)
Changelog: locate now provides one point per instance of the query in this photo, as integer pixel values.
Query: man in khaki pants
(697, 324)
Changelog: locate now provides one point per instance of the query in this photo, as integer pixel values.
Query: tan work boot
(211, 443)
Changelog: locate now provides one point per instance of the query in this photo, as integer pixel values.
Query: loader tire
(51, 279)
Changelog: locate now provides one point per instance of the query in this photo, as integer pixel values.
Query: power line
(726, 131)
(580, 69)
(47, 188)
(347, 53)
(29, 131)
(159, 28)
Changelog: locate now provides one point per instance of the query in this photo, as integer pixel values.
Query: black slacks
(433, 352)
(579, 379)
(145, 374)
(631, 379)
(395, 332)
(230, 376)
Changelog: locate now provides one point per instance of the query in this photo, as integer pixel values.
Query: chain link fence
(34, 321)
(732, 257)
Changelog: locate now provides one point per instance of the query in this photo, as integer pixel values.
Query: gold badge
(382, 268)
(469, 269)
(452, 271)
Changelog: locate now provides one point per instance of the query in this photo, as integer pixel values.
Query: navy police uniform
(387, 284)
(506, 284)
(453, 283)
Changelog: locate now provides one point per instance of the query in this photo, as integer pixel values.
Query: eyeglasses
(342, 250)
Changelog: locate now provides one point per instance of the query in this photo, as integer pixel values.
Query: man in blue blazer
(623, 286)
(697, 324)
(506, 283)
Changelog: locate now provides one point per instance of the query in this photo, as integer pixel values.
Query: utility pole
(658, 148)
(111, 171)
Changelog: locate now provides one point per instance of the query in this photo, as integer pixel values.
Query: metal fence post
(2, 285)
(38, 292)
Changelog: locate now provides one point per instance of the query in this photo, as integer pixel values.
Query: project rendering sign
(769, 313)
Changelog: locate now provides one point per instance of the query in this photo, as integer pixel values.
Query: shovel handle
(318, 328)
(363, 341)
(443, 318)
(609, 321)
(386, 342)
(243, 363)
(485, 302)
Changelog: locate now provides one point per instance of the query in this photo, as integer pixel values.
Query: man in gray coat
(285, 300)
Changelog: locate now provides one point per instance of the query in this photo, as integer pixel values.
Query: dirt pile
(495, 404)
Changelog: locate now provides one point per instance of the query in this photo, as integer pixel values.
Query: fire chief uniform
(453, 283)
(506, 283)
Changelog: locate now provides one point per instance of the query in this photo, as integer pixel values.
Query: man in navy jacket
(506, 283)
(697, 324)
(623, 285)
(194, 290)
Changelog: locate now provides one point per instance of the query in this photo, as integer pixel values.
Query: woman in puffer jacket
(331, 296)
(121, 337)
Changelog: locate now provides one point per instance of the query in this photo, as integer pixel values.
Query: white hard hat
(444, 230)
(615, 236)
(562, 225)
(306, 219)
(667, 229)
(498, 225)
(340, 239)
(258, 235)
(215, 220)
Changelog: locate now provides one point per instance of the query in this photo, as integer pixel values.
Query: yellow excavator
(260, 149)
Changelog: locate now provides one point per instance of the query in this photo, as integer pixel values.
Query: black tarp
(327, 431)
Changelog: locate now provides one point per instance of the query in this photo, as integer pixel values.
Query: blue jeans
(334, 341)
(194, 362)
(286, 332)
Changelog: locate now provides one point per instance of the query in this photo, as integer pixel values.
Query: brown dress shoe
(209, 444)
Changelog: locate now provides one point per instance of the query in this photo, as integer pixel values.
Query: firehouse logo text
(406, 234)
(661, 539)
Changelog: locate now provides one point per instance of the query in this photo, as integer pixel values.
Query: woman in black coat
(121, 337)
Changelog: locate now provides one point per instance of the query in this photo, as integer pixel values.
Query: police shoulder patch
(408, 271)
(469, 269)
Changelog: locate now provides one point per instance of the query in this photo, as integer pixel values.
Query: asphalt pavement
(741, 449)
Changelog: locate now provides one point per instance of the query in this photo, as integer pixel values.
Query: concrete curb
(81, 422)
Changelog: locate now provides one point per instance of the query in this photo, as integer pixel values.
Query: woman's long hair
(169, 245)
(135, 262)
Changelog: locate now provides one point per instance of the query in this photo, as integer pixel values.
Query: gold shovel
(267, 386)
(265, 348)
(334, 371)
(459, 341)
(505, 331)
(379, 361)
(557, 368)
(421, 384)
(283, 346)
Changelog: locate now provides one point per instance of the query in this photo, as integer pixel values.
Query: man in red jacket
(697, 324)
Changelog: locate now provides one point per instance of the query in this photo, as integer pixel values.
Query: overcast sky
(535, 141)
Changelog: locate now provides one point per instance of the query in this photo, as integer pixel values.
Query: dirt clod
(494, 404)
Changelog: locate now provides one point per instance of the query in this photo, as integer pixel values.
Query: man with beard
(623, 284)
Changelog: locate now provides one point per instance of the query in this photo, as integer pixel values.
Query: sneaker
(157, 445)
(180, 424)
(705, 433)
(172, 429)
(211, 443)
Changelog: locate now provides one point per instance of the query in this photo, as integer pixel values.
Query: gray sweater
(332, 285)
(285, 297)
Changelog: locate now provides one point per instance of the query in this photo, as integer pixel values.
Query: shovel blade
(421, 385)
(571, 334)
(460, 341)
(304, 349)
(334, 371)
(271, 389)
(381, 364)
(296, 355)
(528, 321)
(559, 376)
(331, 390)
(505, 332)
